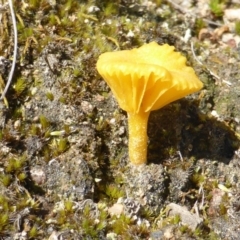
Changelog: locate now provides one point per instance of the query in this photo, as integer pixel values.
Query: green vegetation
(217, 7)
(46, 126)
(237, 27)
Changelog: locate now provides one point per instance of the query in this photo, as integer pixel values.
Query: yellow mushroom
(146, 79)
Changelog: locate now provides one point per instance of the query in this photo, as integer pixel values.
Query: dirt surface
(64, 167)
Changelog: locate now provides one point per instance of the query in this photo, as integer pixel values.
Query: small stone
(121, 131)
(116, 209)
(38, 176)
(217, 196)
(112, 236)
(93, 9)
(17, 124)
(156, 235)
(54, 236)
(168, 233)
(187, 218)
(86, 107)
(99, 98)
(112, 121)
(232, 14)
(214, 113)
(130, 34)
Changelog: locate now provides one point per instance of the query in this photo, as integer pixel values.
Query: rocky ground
(64, 167)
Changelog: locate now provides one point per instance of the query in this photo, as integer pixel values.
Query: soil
(64, 167)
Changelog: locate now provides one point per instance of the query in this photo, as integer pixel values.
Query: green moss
(222, 208)
(4, 203)
(58, 146)
(176, 219)
(102, 123)
(184, 229)
(34, 4)
(90, 225)
(53, 20)
(6, 179)
(213, 236)
(76, 72)
(62, 100)
(22, 176)
(199, 24)
(34, 130)
(67, 129)
(158, 2)
(18, 113)
(4, 213)
(4, 219)
(50, 96)
(113, 191)
(217, 7)
(26, 33)
(15, 164)
(68, 205)
(198, 179)
(40, 26)
(111, 8)
(121, 224)
(20, 86)
(237, 27)
(62, 145)
(33, 232)
(44, 122)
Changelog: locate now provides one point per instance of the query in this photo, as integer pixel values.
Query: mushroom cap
(147, 78)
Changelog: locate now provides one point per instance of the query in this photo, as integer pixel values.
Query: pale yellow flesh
(137, 143)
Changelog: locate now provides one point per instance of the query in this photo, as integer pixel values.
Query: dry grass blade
(10, 76)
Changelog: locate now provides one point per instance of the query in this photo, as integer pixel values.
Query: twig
(194, 55)
(209, 70)
(181, 9)
(180, 155)
(10, 76)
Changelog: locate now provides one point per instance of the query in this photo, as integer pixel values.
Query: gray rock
(187, 218)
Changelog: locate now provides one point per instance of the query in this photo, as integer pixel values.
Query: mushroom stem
(137, 128)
